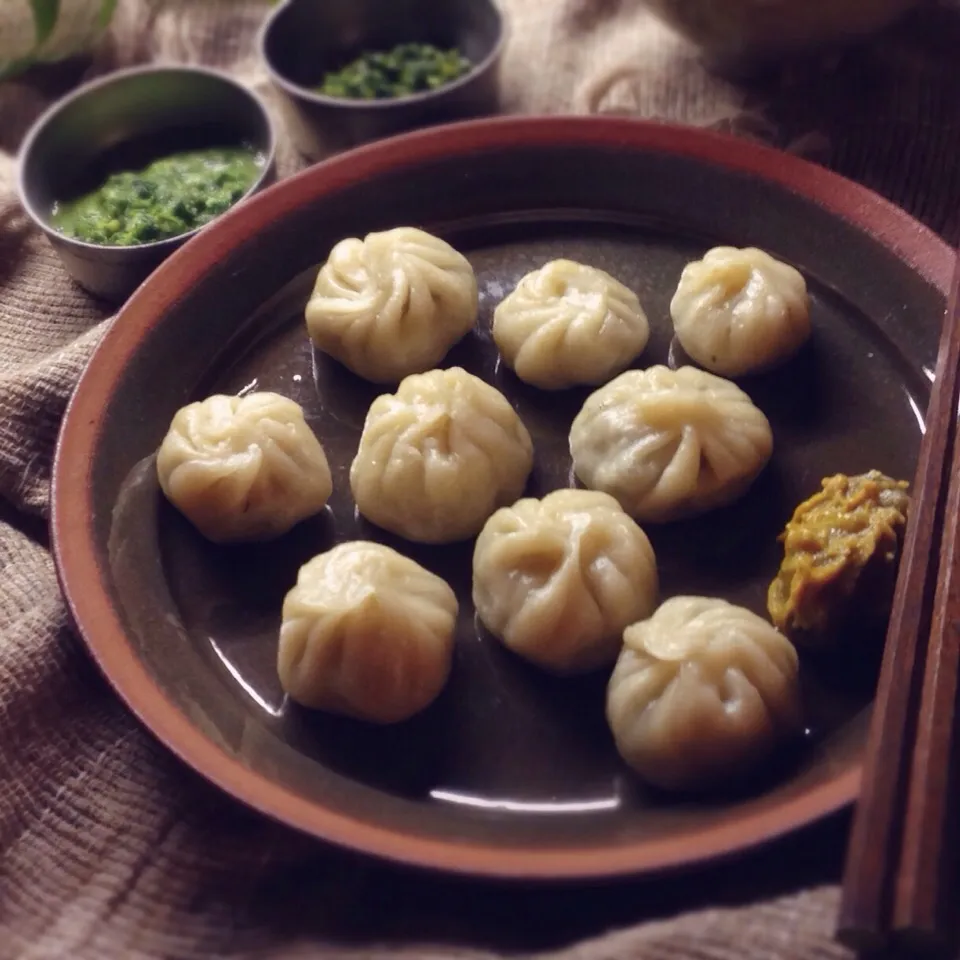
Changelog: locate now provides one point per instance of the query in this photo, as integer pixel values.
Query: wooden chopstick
(874, 854)
(921, 908)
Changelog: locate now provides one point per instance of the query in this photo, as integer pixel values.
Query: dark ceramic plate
(509, 773)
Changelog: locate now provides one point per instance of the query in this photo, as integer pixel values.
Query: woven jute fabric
(109, 847)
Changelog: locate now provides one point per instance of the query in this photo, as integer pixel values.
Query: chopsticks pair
(899, 874)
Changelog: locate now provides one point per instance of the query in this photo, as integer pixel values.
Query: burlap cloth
(108, 846)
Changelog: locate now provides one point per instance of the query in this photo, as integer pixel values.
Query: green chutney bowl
(301, 40)
(124, 121)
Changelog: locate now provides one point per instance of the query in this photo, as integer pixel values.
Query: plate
(510, 773)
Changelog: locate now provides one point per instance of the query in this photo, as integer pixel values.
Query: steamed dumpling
(568, 324)
(558, 579)
(702, 691)
(366, 633)
(392, 304)
(243, 468)
(670, 444)
(740, 311)
(437, 457)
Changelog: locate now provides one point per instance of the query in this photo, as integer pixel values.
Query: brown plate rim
(71, 523)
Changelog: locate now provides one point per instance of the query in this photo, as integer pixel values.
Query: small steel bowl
(744, 37)
(124, 121)
(302, 40)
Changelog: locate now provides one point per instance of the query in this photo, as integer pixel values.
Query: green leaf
(8, 70)
(44, 18)
(106, 13)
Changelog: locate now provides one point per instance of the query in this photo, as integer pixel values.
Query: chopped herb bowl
(350, 71)
(127, 168)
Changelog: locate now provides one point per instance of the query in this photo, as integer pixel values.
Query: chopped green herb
(170, 197)
(406, 69)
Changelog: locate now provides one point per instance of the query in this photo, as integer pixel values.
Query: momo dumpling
(567, 324)
(702, 691)
(558, 579)
(437, 457)
(243, 468)
(366, 633)
(740, 311)
(670, 444)
(392, 304)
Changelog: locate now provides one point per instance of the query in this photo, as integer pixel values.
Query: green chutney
(406, 69)
(170, 197)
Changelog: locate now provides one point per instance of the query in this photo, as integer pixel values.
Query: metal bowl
(740, 36)
(123, 121)
(302, 40)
